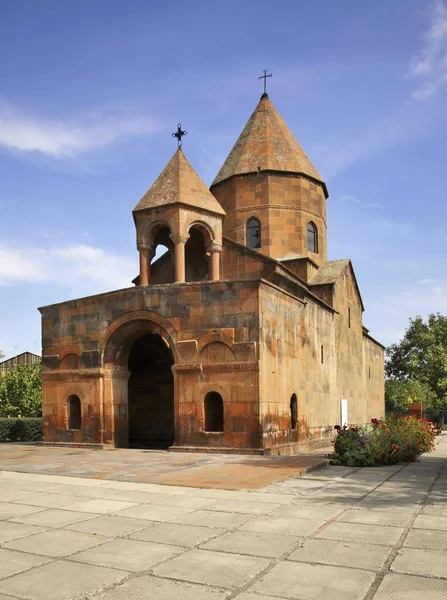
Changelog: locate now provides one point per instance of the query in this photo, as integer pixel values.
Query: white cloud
(350, 198)
(84, 269)
(60, 139)
(430, 65)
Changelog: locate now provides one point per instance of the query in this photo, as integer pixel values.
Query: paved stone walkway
(223, 471)
(334, 534)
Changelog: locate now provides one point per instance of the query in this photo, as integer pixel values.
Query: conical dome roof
(266, 144)
(179, 183)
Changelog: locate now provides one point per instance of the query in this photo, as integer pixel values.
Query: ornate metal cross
(264, 77)
(179, 134)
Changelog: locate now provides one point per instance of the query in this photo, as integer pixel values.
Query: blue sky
(92, 90)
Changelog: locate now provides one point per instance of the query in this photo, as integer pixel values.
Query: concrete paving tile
(214, 493)
(212, 518)
(138, 497)
(109, 525)
(430, 539)
(244, 507)
(12, 562)
(61, 580)
(213, 568)
(358, 532)
(152, 512)
(162, 589)
(437, 510)
(12, 531)
(415, 561)
(41, 500)
(267, 497)
(187, 501)
(52, 517)
(344, 554)
(282, 525)
(410, 587)
(100, 506)
(382, 506)
(176, 534)
(306, 511)
(127, 555)
(430, 522)
(56, 543)
(248, 596)
(9, 510)
(304, 581)
(393, 519)
(252, 543)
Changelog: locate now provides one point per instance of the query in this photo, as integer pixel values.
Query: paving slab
(305, 581)
(253, 544)
(212, 518)
(9, 510)
(390, 519)
(110, 525)
(176, 534)
(127, 555)
(12, 562)
(438, 510)
(212, 568)
(431, 522)
(152, 512)
(188, 501)
(430, 539)
(245, 507)
(366, 556)
(51, 517)
(306, 511)
(415, 561)
(410, 587)
(358, 532)
(56, 543)
(13, 531)
(100, 506)
(61, 580)
(282, 525)
(267, 497)
(162, 589)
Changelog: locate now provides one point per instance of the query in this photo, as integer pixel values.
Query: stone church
(242, 337)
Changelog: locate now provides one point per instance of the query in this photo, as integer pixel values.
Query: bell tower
(274, 197)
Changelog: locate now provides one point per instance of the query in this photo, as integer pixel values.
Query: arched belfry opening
(150, 393)
(162, 267)
(196, 259)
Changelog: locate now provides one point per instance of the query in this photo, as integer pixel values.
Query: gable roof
(330, 273)
(267, 144)
(179, 183)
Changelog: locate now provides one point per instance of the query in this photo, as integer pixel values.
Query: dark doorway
(214, 414)
(151, 393)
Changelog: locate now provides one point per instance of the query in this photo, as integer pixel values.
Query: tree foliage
(400, 393)
(420, 361)
(21, 391)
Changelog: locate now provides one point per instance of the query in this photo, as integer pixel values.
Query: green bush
(21, 391)
(398, 439)
(21, 430)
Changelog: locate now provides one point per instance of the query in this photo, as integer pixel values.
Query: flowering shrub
(398, 439)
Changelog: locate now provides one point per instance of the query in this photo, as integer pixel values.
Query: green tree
(421, 356)
(21, 391)
(399, 394)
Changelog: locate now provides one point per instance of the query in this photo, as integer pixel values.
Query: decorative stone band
(227, 367)
(80, 374)
(281, 206)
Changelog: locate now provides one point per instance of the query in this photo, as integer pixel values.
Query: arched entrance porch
(139, 392)
(150, 393)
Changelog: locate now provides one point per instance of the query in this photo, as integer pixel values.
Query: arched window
(74, 412)
(253, 236)
(293, 411)
(214, 420)
(312, 237)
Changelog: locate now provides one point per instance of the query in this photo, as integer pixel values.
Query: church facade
(242, 337)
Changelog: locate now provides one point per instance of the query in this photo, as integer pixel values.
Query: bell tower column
(146, 255)
(215, 250)
(179, 241)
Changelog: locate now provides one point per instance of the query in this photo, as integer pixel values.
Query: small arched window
(74, 412)
(253, 236)
(312, 237)
(214, 419)
(293, 411)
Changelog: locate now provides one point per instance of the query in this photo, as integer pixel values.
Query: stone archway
(150, 393)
